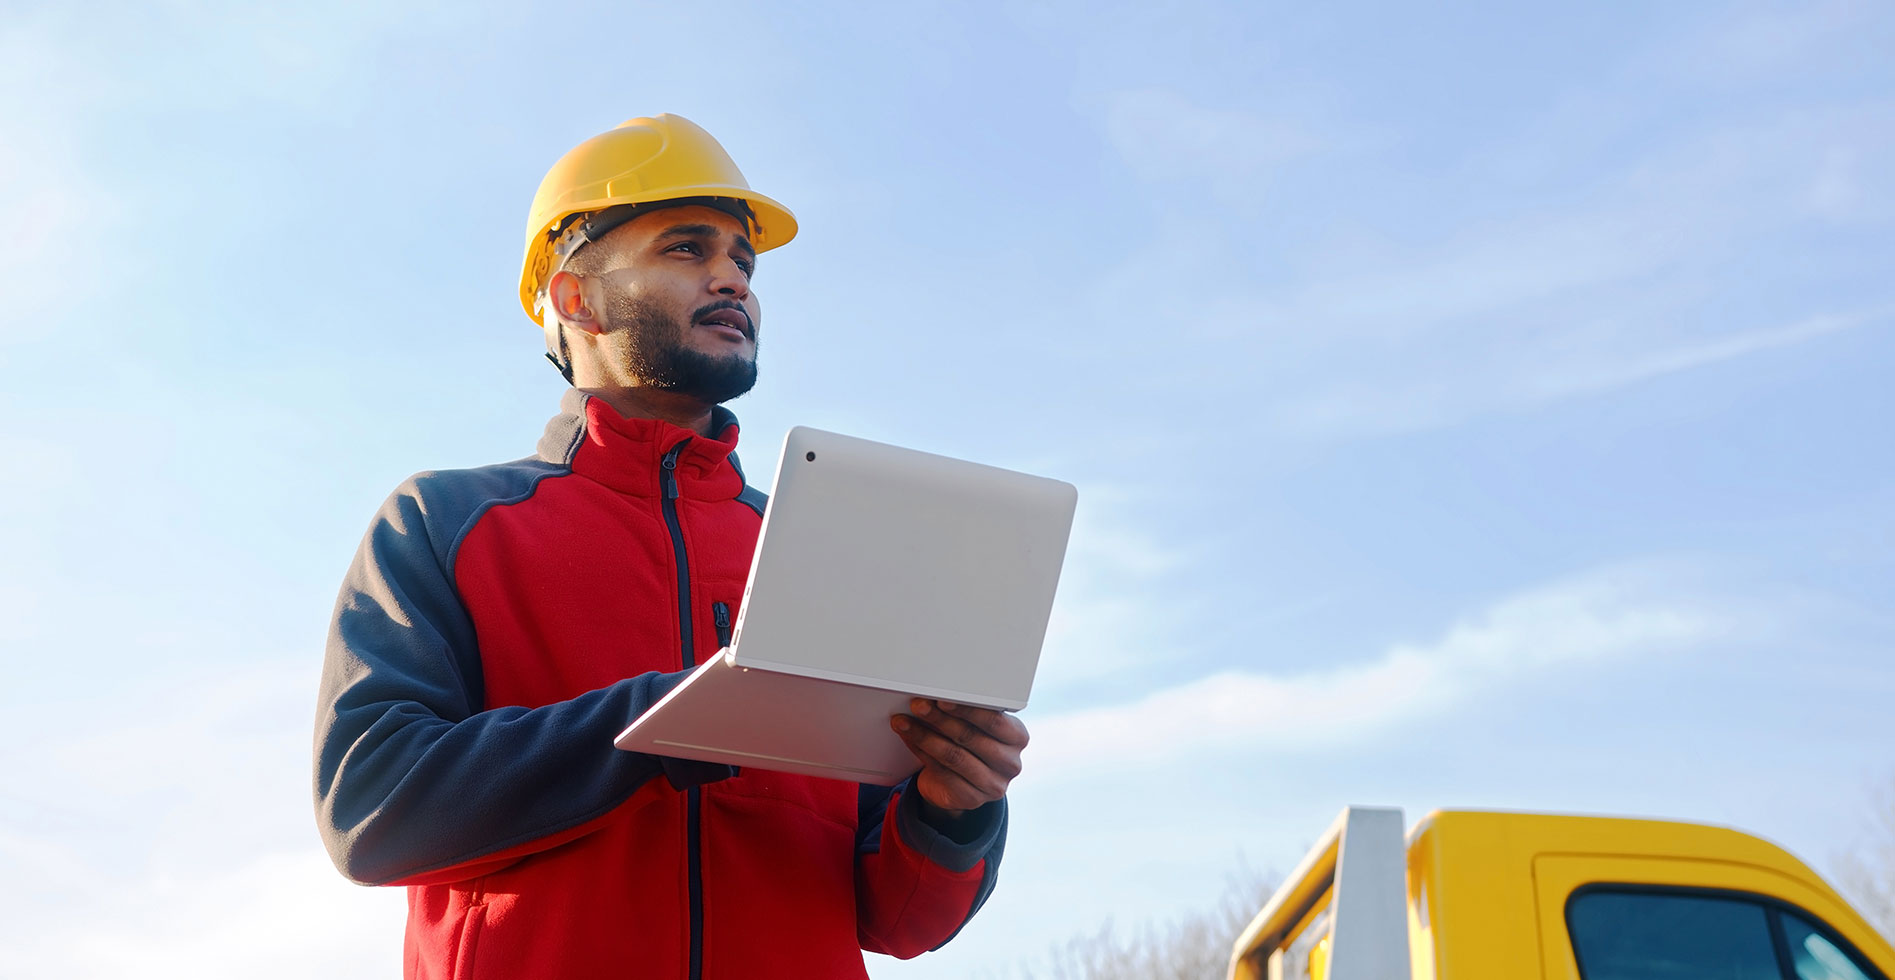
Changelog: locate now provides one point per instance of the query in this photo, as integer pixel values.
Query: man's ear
(567, 295)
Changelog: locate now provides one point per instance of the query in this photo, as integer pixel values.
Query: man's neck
(652, 403)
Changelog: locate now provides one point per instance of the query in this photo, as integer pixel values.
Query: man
(501, 624)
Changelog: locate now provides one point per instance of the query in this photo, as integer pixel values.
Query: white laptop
(882, 574)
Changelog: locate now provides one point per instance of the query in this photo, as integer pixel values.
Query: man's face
(676, 303)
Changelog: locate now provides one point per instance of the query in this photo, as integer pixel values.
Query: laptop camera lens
(810, 456)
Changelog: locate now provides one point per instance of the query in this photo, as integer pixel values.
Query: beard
(651, 345)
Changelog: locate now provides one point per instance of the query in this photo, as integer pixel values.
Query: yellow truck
(1471, 895)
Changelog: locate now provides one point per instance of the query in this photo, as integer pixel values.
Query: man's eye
(692, 246)
(748, 269)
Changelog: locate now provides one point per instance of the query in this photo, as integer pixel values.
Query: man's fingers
(962, 792)
(968, 755)
(997, 755)
(948, 790)
(1002, 726)
(936, 750)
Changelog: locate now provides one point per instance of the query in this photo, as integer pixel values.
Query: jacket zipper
(720, 614)
(692, 803)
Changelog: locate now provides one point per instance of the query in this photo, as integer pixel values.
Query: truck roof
(1502, 835)
(1465, 881)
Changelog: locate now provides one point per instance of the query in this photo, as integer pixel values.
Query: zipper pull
(720, 615)
(669, 477)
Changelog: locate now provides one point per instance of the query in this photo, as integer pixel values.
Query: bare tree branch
(1866, 874)
(1195, 946)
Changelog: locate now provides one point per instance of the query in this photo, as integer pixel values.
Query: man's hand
(968, 755)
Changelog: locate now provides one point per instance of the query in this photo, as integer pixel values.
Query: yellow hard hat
(639, 161)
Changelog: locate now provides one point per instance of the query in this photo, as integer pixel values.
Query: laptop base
(767, 719)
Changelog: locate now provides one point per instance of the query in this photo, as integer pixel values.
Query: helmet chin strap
(565, 368)
(565, 242)
(560, 355)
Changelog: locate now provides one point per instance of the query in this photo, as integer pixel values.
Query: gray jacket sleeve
(415, 783)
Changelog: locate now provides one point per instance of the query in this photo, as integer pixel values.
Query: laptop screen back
(896, 568)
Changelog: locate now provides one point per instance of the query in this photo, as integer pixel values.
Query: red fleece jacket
(498, 627)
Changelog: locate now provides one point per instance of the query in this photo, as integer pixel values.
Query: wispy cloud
(279, 915)
(1612, 614)
(1568, 379)
(318, 62)
(1410, 403)
(170, 836)
(1166, 138)
(69, 178)
(1570, 257)
(1128, 604)
(1113, 614)
(47, 197)
(1768, 37)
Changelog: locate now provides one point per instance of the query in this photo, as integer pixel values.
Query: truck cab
(1472, 895)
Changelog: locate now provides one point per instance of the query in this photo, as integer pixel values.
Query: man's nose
(729, 280)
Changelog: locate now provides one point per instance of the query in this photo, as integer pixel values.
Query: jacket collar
(593, 439)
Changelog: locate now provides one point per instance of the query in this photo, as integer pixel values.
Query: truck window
(1657, 936)
(1649, 934)
(1812, 954)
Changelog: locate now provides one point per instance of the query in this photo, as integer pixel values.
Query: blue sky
(1473, 407)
